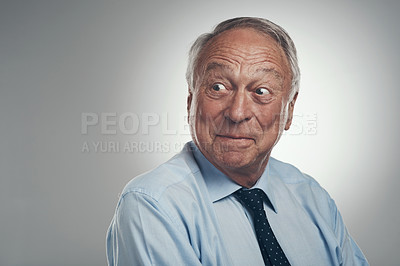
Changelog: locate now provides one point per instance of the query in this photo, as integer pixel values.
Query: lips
(234, 137)
(234, 141)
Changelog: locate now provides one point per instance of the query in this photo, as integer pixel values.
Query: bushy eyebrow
(215, 65)
(270, 70)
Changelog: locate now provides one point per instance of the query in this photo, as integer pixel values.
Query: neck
(246, 176)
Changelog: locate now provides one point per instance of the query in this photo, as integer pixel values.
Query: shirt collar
(220, 186)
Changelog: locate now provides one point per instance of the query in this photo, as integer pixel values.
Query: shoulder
(172, 193)
(291, 175)
(173, 185)
(308, 192)
(178, 171)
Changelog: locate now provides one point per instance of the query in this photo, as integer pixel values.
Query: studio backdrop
(93, 93)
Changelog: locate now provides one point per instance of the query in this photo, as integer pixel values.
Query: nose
(239, 107)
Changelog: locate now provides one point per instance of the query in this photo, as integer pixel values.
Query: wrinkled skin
(240, 105)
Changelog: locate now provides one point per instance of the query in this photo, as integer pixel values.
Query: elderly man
(223, 200)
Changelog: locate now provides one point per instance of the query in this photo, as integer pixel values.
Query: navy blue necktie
(271, 250)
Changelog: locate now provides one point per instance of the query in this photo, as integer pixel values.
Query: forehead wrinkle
(228, 52)
(239, 57)
(213, 65)
(227, 56)
(270, 70)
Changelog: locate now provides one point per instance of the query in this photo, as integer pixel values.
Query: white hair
(259, 24)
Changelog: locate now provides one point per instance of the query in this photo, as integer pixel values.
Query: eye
(262, 91)
(218, 87)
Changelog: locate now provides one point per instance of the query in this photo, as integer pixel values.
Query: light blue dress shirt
(183, 213)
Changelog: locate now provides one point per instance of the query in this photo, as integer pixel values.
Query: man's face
(239, 106)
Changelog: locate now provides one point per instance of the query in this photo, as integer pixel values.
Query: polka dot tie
(271, 250)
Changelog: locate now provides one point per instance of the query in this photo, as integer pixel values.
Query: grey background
(60, 59)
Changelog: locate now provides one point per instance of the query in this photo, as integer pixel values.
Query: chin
(235, 160)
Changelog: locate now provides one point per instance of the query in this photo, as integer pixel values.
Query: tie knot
(252, 198)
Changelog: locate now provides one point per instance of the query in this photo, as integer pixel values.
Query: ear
(290, 112)
(189, 104)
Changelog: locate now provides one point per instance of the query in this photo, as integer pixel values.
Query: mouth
(235, 137)
(237, 141)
